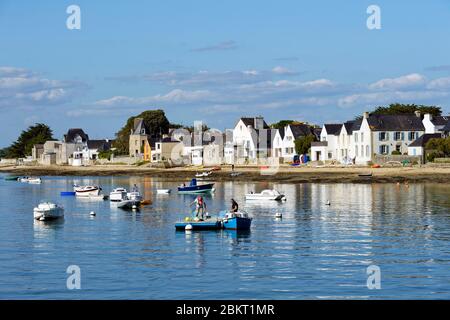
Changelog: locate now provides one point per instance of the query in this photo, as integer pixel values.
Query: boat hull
(204, 188)
(263, 198)
(200, 225)
(45, 215)
(237, 223)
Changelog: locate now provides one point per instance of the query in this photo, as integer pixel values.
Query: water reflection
(316, 250)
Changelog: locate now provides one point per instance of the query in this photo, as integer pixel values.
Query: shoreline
(285, 174)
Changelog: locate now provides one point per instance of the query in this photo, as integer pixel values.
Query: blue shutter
(403, 136)
(387, 149)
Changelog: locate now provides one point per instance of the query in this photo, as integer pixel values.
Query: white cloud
(439, 84)
(21, 87)
(404, 82)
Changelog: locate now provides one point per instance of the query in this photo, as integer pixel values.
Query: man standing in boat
(234, 206)
(200, 205)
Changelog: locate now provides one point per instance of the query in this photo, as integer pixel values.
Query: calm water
(315, 251)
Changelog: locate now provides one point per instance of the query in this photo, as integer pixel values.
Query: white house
(291, 133)
(252, 138)
(328, 147)
(435, 124)
(358, 141)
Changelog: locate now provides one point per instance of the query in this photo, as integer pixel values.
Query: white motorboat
(134, 196)
(86, 191)
(48, 211)
(34, 180)
(128, 204)
(266, 195)
(203, 174)
(163, 191)
(118, 194)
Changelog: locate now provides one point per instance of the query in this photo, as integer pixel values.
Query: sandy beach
(284, 173)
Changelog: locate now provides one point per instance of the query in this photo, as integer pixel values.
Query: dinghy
(163, 191)
(273, 195)
(12, 178)
(198, 225)
(48, 211)
(86, 191)
(203, 174)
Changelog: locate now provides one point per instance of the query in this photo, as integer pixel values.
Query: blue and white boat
(196, 188)
(236, 221)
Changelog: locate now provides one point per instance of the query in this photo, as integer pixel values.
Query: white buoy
(188, 227)
(283, 199)
(92, 213)
(134, 207)
(328, 203)
(278, 215)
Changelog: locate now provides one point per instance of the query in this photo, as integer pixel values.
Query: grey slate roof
(251, 122)
(440, 120)
(72, 133)
(423, 139)
(401, 122)
(447, 127)
(100, 145)
(333, 128)
(301, 130)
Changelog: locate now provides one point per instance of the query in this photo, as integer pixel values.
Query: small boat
(128, 204)
(48, 211)
(134, 196)
(86, 191)
(198, 225)
(34, 180)
(12, 178)
(203, 174)
(266, 195)
(196, 188)
(163, 191)
(365, 175)
(236, 221)
(118, 194)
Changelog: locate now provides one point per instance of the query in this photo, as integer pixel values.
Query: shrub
(396, 153)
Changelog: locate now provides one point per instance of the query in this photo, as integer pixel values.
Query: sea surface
(315, 251)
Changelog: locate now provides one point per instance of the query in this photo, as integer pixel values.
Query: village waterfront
(315, 251)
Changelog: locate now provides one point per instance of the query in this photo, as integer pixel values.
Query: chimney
(428, 116)
(417, 113)
(259, 122)
(366, 115)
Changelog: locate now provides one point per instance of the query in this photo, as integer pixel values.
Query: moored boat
(273, 195)
(163, 191)
(118, 194)
(48, 211)
(236, 221)
(12, 178)
(86, 191)
(203, 174)
(196, 188)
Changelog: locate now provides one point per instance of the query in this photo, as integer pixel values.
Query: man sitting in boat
(200, 205)
(234, 206)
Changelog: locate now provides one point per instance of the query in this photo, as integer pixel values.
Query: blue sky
(214, 61)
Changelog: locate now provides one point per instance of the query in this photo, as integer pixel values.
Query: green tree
(399, 108)
(155, 121)
(37, 134)
(3, 152)
(283, 123)
(440, 146)
(303, 144)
